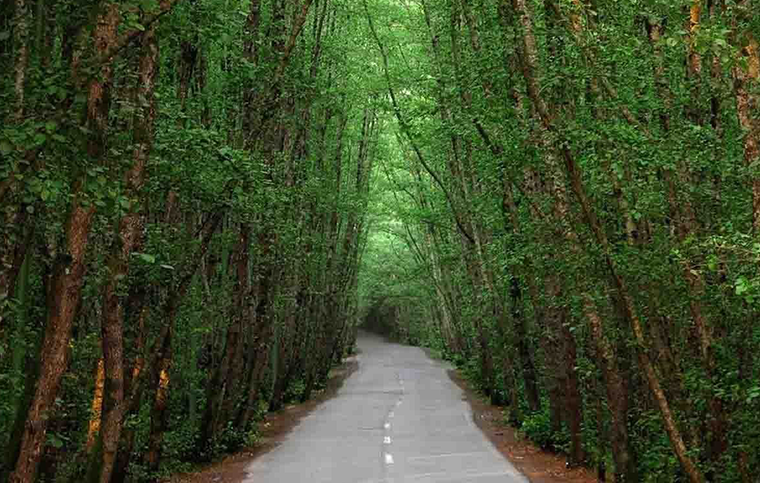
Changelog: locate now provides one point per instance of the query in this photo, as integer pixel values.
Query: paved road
(397, 419)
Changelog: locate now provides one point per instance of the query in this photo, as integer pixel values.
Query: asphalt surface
(397, 419)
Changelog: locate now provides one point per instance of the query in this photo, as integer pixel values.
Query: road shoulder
(537, 465)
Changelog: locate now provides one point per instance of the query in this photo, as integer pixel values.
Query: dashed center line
(388, 459)
(387, 425)
(387, 440)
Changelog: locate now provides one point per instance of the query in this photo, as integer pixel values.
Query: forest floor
(537, 464)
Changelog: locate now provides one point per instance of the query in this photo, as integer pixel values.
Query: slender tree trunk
(162, 351)
(135, 388)
(617, 397)
(21, 21)
(160, 379)
(96, 407)
(130, 229)
(220, 386)
(14, 213)
(746, 82)
(523, 348)
(259, 365)
(13, 251)
(510, 215)
(68, 274)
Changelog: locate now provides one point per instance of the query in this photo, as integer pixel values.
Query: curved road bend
(397, 419)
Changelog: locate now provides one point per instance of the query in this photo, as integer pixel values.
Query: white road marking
(387, 425)
(399, 402)
(388, 459)
(391, 414)
(447, 455)
(420, 476)
(387, 440)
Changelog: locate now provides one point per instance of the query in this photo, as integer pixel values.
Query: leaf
(145, 257)
(740, 286)
(54, 441)
(149, 5)
(753, 394)
(5, 147)
(712, 263)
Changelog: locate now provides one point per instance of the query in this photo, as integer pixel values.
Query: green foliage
(295, 391)
(538, 428)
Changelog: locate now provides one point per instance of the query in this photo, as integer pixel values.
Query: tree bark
(617, 396)
(96, 408)
(130, 229)
(746, 82)
(68, 274)
(21, 20)
(135, 389)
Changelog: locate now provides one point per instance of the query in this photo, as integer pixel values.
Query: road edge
(274, 429)
(537, 465)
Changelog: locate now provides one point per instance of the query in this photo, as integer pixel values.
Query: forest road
(397, 419)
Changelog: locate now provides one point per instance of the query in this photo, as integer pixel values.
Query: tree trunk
(13, 214)
(15, 243)
(96, 408)
(135, 388)
(259, 365)
(130, 229)
(162, 352)
(746, 82)
(617, 397)
(68, 274)
(21, 19)
(220, 385)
